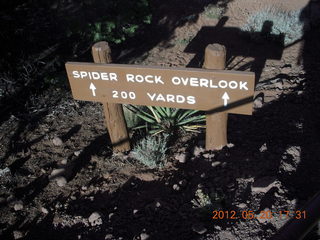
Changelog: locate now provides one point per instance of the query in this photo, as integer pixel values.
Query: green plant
(131, 118)
(206, 201)
(168, 120)
(214, 11)
(151, 151)
(275, 24)
(129, 16)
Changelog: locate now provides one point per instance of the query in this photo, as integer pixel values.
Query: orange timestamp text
(266, 214)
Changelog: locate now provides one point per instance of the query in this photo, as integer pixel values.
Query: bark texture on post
(113, 112)
(216, 123)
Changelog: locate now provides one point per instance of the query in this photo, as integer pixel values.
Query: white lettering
(223, 84)
(160, 98)
(180, 99)
(203, 82)
(139, 78)
(191, 100)
(130, 77)
(170, 98)
(148, 78)
(175, 80)
(83, 74)
(75, 74)
(243, 85)
(113, 76)
(194, 82)
(96, 75)
(233, 84)
(158, 79)
(151, 96)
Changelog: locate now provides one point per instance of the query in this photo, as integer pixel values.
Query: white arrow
(225, 98)
(93, 89)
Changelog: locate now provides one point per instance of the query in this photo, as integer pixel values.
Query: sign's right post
(216, 123)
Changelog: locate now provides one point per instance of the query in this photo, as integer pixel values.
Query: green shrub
(151, 151)
(131, 118)
(283, 25)
(214, 11)
(168, 120)
(122, 21)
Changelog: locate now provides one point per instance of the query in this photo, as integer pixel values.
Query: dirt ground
(61, 180)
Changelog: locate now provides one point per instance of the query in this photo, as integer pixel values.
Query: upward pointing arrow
(225, 98)
(93, 89)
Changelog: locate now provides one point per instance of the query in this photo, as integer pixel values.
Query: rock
(144, 236)
(77, 153)
(95, 219)
(183, 183)
(57, 141)
(158, 204)
(18, 234)
(64, 162)
(56, 173)
(242, 205)
(61, 181)
(203, 175)
(217, 228)
(181, 157)
(263, 148)
(110, 215)
(199, 228)
(108, 237)
(135, 211)
(197, 151)
(18, 206)
(176, 187)
(215, 164)
(230, 145)
(258, 102)
(44, 210)
(263, 185)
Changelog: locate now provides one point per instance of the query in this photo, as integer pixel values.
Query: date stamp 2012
(266, 214)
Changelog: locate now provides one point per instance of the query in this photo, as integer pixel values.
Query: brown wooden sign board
(189, 88)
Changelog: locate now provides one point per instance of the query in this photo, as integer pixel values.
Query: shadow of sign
(238, 43)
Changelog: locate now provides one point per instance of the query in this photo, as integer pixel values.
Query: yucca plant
(168, 120)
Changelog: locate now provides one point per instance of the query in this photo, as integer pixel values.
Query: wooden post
(216, 123)
(113, 112)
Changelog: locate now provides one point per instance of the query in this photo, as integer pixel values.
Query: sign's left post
(113, 112)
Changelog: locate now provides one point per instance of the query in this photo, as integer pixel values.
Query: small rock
(181, 157)
(183, 183)
(18, 234)
(61, 181)
(84, 188)
(144, 236)
(242, 205)
(176, 187)
(215, 164)
(18, 206)
(263, 185)
(158, 204)
(263, 148)
(64, 162)
(135, 211)
(56, 173)
(230, 145)
(77, 153)
(203, 175)
(44, 210)
(258, 102)
(217, 228)
(95, 219)
(263, 216)
(57, 141)
(199, 228)
(110, 215)
(108, 237)
(197, 151)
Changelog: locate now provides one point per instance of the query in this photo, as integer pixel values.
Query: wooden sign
(188, 88)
